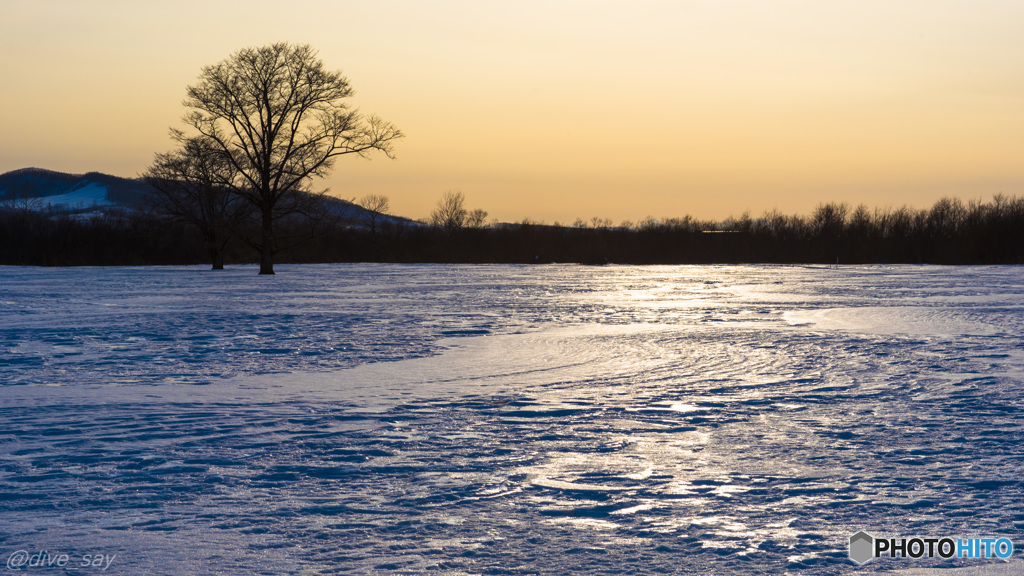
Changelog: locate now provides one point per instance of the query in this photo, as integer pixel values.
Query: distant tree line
(950, 232)
(60, 237)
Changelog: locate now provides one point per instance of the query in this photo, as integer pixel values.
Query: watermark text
(26, 560)
(865, 547)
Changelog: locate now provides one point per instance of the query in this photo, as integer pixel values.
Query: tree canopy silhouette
(279, 119)
(186, 185)
(450, 212)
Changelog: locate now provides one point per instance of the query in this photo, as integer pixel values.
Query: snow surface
(508, 419)
(88, 196)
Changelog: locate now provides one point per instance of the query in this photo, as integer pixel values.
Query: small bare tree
(450, 212)
(476, 218)
(187, 184)
(376, 206)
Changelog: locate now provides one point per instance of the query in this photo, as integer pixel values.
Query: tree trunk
(267, 247)
(217, 258)
(214, 247)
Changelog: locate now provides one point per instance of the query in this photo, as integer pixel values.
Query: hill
(77, 192)
(43, 189)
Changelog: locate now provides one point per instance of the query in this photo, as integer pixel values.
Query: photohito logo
(864, 547)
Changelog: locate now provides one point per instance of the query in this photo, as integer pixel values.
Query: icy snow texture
(506, 419)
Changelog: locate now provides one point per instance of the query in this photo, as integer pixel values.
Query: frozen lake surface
(348, 419)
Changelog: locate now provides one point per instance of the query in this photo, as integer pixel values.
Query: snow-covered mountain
(95, 192)
(77, 192)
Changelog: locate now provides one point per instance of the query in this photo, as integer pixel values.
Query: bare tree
(476, 218)
(450, 212)
(187, 184)
(376, 205)
(280, 119)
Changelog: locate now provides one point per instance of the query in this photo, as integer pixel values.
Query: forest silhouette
(950, 232)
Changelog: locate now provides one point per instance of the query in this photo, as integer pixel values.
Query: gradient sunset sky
(560, 109)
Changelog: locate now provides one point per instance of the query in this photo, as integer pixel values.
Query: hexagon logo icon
(862, 547)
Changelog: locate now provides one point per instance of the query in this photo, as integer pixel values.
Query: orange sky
(561, 109)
